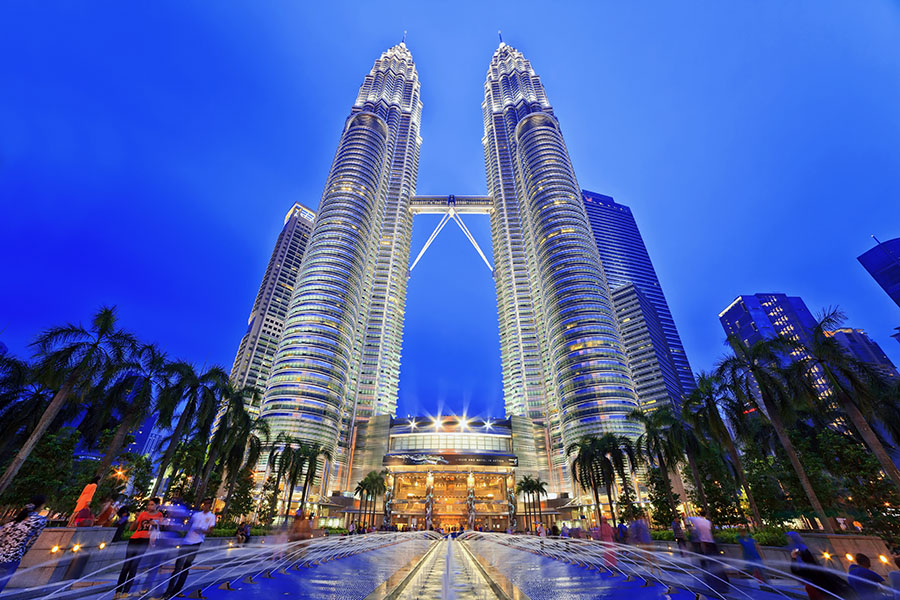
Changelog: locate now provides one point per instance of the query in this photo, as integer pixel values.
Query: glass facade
(253, 361)
(563, 361)
(662, 373)
(338, 358)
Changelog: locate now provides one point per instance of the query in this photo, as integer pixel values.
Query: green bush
(335, 530)
(768, 536)
(662, 535)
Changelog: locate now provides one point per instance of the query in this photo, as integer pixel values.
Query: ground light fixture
(849, 557)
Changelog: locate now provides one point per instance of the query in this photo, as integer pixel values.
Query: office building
(667, 378)
(864, 349)
(253, 361)
(883, 264)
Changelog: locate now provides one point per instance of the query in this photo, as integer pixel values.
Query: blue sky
(149, 152)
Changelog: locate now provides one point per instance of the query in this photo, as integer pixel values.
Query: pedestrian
(137, 546)
(17, 536)
(84, 518)
(84, 500)
(751, 555)
(121, 522)
(564, 532)
(623, 532)
(200, 524)
(607, 536)
(678, 532)
(816, 579)
(107, 513)
(864, 581)
(701, 529)
(301, 528)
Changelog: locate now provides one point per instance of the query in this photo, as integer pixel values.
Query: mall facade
(445, 472)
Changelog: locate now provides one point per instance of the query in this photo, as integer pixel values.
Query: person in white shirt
(200, 524)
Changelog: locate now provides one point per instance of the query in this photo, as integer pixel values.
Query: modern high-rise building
(253, 361)
(662, 373)
(751, 318)
(652, 368)
(338, 360)
(767, 316)
(561, 352)
(339, 355)
(883, 264)
(864, 349)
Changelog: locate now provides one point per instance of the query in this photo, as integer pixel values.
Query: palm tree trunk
(865, 431)
(798, 468)
(170, 450)
(540, 510)
(698, 483)
(203, 481)
(52, 410)
(311, 469)
(115, 445)
(595, 489)
(742, 476)
(612, 507)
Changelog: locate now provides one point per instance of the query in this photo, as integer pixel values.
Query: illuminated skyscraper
(662, 373)
(253, 361)
(561, 352)
(339, 355)
(338, 360)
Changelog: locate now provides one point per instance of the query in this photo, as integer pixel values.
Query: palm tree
(753, 375)
(538, 489)
(524, 487)
(73, 357)
(197, 394)
(622, 454)
(244, 457)
(294, 472)
(703, 406)
(147, 376)
(313, 452)
(23, 399)
(234, 428)
(362, 490)
(377, 487)
(586, 468)
(687, 439)
(849, 383)
(655, 444)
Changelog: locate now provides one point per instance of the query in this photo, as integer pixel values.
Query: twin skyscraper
(336, 364)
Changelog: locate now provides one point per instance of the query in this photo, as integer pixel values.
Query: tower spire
(500, 35)
(403, 41)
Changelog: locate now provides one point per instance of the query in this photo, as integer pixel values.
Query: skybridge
(451, 207)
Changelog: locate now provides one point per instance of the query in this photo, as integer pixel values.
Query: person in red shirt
(137, 545)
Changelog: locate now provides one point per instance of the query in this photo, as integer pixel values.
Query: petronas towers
(338, 360)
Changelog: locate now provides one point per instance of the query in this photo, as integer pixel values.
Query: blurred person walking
(137, 546)
(199, 525)
(18, 536)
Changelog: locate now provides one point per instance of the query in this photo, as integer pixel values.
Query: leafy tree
(721, 492)
(48, 470)
(74, 358)
(662, 498)
(241, 501)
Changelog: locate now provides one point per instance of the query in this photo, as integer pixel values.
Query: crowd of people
(161, 534)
